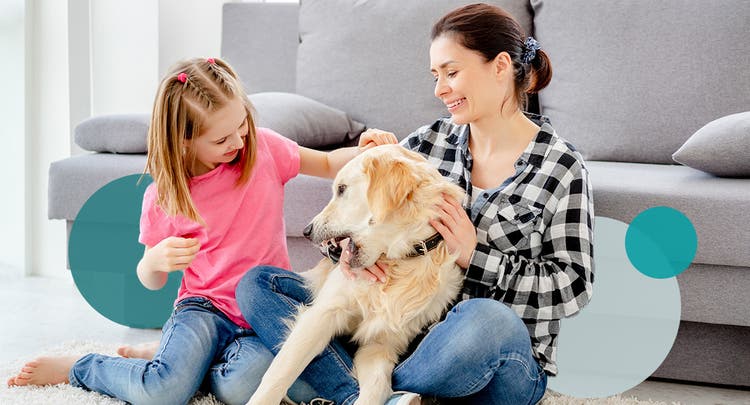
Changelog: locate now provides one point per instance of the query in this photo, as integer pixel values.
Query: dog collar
(426, 245)
(333, 251)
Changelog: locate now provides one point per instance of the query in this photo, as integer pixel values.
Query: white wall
(47, 124)
(188, 28)
(13, 212)
(124, 54)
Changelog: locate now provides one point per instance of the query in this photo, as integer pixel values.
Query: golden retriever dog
(382, 202)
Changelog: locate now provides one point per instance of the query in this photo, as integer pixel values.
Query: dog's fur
(382, 200)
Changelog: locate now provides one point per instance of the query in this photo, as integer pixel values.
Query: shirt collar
(540, 146)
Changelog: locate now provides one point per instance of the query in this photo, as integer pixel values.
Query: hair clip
(211, 61)
(182, 77)
(530, 46)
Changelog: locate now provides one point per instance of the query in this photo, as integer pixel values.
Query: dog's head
(382, 201)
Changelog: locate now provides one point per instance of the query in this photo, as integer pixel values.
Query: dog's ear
(391, 185)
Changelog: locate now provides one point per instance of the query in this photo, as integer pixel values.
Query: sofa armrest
(73, 180)
(260, 41)
(123, 133)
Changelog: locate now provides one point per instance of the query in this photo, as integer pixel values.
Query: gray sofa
(633, 81)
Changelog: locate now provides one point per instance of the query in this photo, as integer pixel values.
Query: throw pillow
(113, 133)
(308, 122)
(721, 147)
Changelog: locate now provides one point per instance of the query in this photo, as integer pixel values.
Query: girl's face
(469, 86)
(221, 139)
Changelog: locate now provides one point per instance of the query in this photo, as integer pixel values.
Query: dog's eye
(342, 188)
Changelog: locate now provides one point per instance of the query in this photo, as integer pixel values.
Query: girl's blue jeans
(480, 352)
(200, 349)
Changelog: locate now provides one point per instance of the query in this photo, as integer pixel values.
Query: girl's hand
(373, 273)
(457, 229)
(375, 137)
(171, 254)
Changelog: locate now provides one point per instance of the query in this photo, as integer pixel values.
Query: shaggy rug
(65, 394)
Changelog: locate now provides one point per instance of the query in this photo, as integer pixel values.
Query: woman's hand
(375, 137)
(457, 229)
(171, 254)
(373, 273)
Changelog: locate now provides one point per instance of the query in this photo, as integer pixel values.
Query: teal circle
(104, 252)
(625, 332)
(661, 242)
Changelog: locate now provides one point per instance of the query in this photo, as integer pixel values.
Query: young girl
(214, 210)
(524, 239)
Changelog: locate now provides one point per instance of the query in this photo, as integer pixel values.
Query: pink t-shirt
(244, 225)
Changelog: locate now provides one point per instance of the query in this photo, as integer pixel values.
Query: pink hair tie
(182, 77)
(211, 61)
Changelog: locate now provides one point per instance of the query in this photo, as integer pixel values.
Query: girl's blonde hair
(191, 90)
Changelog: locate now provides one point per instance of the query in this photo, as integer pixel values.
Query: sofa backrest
(369, 58)
(631, 80)
(260, 41)
(634, 79)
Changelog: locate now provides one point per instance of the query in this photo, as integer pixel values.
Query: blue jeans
(480, 352)
(200, 349)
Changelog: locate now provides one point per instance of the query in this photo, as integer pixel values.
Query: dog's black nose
(307, 232)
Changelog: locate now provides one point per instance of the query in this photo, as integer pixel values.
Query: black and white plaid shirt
(535, 231)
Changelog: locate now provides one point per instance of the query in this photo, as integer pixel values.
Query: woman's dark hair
(490, 30)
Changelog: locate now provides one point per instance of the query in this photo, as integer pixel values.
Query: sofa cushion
(117, 133)
(716, 206)
(715, 294)
(306, 121)
(634, 79)
(370, 58)
(721, 147)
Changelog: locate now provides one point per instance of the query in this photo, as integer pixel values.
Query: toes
(20, 381)
(123, 351)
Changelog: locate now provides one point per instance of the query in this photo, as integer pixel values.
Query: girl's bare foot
(44, 371)
(145, 351)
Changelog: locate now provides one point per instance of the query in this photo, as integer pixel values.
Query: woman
(524, 236)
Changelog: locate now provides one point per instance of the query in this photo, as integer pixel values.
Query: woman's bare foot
(44, 371)
(145, 351)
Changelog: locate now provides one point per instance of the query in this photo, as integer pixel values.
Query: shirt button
(485, 195)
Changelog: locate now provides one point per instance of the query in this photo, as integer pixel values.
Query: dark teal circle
(661, 242)
(104, 252)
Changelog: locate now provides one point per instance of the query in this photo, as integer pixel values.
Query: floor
(45, 312)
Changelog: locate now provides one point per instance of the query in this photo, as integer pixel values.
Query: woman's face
(468, 85)
(222, 137)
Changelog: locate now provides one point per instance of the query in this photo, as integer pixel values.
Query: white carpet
(65, 394)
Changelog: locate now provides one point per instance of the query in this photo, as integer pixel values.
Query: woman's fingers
(443, 230)
(378, 272)
(373, 273)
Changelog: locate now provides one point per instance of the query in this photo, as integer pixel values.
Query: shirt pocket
(514, 228)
